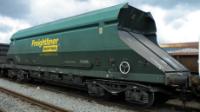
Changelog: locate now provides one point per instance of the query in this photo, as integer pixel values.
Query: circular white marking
(124, 67)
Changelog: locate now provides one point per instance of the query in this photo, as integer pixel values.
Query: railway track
(2, 110)
(44, 105)
(174, 105)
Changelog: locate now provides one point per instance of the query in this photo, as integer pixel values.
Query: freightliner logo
(46, 44)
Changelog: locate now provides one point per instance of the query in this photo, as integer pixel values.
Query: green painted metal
(107, 14)
(122, 14)
(89, 45)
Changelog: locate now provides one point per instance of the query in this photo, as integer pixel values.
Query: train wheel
(140, 97)
(12, 74)
(2, 73)
(95, 90)
(196, 91)
(161, 98)
(22, 76)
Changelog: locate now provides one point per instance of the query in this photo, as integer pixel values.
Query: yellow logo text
(47, 44)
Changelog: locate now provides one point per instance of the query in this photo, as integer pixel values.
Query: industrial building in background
(186, 53)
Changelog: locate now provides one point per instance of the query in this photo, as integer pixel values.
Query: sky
(176, 20)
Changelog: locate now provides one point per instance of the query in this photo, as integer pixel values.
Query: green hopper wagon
(107, 51)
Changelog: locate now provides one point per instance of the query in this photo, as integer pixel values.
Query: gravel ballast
(11, 104)
(59, 99)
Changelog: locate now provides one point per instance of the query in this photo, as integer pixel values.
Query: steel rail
(31, 100)
(2, 110)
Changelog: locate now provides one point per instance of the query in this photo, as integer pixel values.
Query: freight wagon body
(112, 49)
